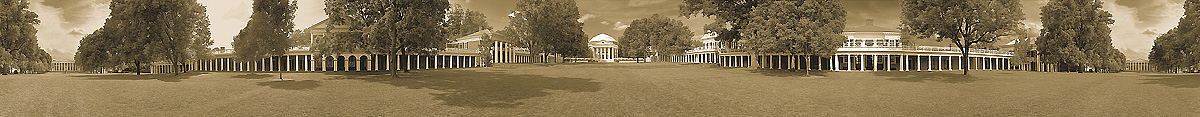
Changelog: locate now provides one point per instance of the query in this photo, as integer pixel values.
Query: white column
(874, 62)
(888, 67)
(862, 64)
(835, 63)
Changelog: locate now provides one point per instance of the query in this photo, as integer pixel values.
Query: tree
(964, 22)
(548, 27)
(18, 39)
(729, 16)
(1077, 38)
(462, 22)
(387, 26)
(656, 35)
(266, 34)
(1179, 49)
(140, 31)
(1023, 49)
(810, 27)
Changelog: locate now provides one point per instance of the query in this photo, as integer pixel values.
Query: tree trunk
(137, 67)
(406, 60)
(392, 56)
(966, 60)
(174, 67)
(757, 63)
(807, 64)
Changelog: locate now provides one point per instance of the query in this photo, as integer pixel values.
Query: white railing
(955, 49)
(461, 50)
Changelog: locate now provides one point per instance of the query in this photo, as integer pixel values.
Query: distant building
(604, 48)
(462, 52)
(868, 48)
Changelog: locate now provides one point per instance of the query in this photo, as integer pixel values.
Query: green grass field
(653, 89)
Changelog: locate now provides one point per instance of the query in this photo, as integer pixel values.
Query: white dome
(603, 37)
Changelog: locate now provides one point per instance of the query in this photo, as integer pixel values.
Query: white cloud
(585, 17)
(620, 26)
(1129, 31)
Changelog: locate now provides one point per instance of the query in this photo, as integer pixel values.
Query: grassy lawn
(653, 89)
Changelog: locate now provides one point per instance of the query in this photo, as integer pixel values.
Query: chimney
(870, 22)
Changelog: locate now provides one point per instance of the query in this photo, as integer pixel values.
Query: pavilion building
(603, 47)
(868, 48)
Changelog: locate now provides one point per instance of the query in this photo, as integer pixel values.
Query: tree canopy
(1179, 49)
(655, 35)
(393, 27)
(267, 33)
(964, 22)
(729, 16)
(1076, 37)
(548, 27)
(462, 22)
(18, 38)
(142, 31)
(810, 27)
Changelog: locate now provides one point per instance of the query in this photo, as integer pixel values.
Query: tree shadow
(292, 84)
(945, 77)
(787, 73)
(352, 75)
(161, 77)
(253, 76)
(1177, 81)
(483, 89)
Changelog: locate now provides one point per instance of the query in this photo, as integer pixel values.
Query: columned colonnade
(868, 62)
(349, 62)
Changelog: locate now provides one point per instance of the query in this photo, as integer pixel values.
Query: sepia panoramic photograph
(609, 58)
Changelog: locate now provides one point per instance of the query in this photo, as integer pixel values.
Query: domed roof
(602, 37)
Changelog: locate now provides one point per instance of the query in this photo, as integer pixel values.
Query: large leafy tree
(655, 35)
(1179, 49)
(266, 34)
(141, 31)
(1023, 49)
(548, 27)
(392, 27)
(1076, 36)
(462, 22)
(18, 41)
(729, 16)
(810, 27)
(963, 22)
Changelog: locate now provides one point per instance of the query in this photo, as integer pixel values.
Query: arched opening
(364, 63)
(320, 65)
(341, 63)
(329, 63)
(352, 63)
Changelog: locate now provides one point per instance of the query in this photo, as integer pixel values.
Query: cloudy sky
(64, 22)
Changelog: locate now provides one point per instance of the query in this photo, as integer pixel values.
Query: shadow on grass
(787, 73)
(945, 77)
(1177, 81)
(160, 77)
(482, 89)
(292, 84)
(253, 76)
(718, 66)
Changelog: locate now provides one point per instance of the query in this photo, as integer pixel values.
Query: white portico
(604, 48)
